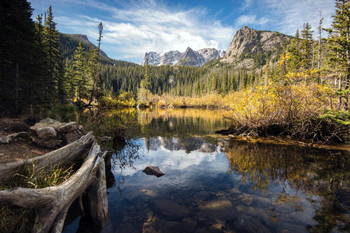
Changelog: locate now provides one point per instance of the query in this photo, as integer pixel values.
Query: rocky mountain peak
(191, 58)
(82, 37)
(188, 58)
(249, 44)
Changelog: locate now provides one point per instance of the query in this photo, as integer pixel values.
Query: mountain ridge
(251, 48)
(70, 42)
(187, 58)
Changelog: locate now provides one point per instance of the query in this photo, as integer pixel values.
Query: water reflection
(211, 185)
(304, 176)
(188, 144)
(180, 122)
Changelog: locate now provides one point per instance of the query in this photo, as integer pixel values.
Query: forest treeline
(43, 67)
(34, 74)
(30, 62)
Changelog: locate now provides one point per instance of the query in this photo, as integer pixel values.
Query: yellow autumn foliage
(280, 104)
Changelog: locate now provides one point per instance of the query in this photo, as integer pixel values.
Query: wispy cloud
(133, 27)
(246, 4)
(289, 15)
(250, 20)
(145, 26)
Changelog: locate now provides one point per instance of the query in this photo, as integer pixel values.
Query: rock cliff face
(188, 58)
(191, 58)
(250, 48)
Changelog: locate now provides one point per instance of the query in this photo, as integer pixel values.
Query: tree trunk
(52, 203)
(17, 76)
(65, 154)
(340, 87)
(97, 194)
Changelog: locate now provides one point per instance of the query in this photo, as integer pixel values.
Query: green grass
(29, 177)
(16, 219)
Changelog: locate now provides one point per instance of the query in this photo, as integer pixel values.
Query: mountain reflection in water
(212, 185)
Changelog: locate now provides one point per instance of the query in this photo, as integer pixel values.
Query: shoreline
(333, 147)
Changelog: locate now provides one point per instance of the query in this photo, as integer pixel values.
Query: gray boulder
(46, 132)
(69, 127)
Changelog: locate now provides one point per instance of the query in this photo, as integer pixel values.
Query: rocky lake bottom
(214, 185)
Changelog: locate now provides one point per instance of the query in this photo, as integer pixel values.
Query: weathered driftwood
(52, 203)
(98, 200)
(65, 154)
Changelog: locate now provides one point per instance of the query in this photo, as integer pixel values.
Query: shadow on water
(212, 185)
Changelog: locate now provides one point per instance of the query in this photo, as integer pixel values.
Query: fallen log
(62, 155)
(52, 203)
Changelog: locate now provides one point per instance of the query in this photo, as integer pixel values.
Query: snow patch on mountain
(187, 58)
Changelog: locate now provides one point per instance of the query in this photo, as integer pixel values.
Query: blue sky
(133, 27)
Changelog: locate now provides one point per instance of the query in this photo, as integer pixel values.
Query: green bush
(64, 112)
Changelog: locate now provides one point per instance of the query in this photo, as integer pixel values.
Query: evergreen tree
(320, 44)
(17, 55)
(145, 85)
(41, 85)
(69, 76)
(79, 79)
(53, 55)
(92, 73)
(339, 43)
(307, 46)
(97, 85)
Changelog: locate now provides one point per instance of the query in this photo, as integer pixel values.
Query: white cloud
(144, 26)
(168, 160)
(133, 27)
(289, 15)
(246, 4)
(250, 20)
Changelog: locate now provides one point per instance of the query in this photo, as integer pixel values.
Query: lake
(212, 184)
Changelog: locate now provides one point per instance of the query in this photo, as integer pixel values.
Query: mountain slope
(70, 42)
(251, 48)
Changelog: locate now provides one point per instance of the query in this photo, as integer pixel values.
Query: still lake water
(214, 185)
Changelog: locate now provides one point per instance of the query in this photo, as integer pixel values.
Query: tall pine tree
(17, 54)
(339, 44)
(53, 55)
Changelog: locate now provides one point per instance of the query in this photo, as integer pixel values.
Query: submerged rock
(160, 226)
(211, 229)
(247, 199)
(250, 225)
(188, 224)
(170, 209)
(220, 209)
(343, 194)
(150, 170)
